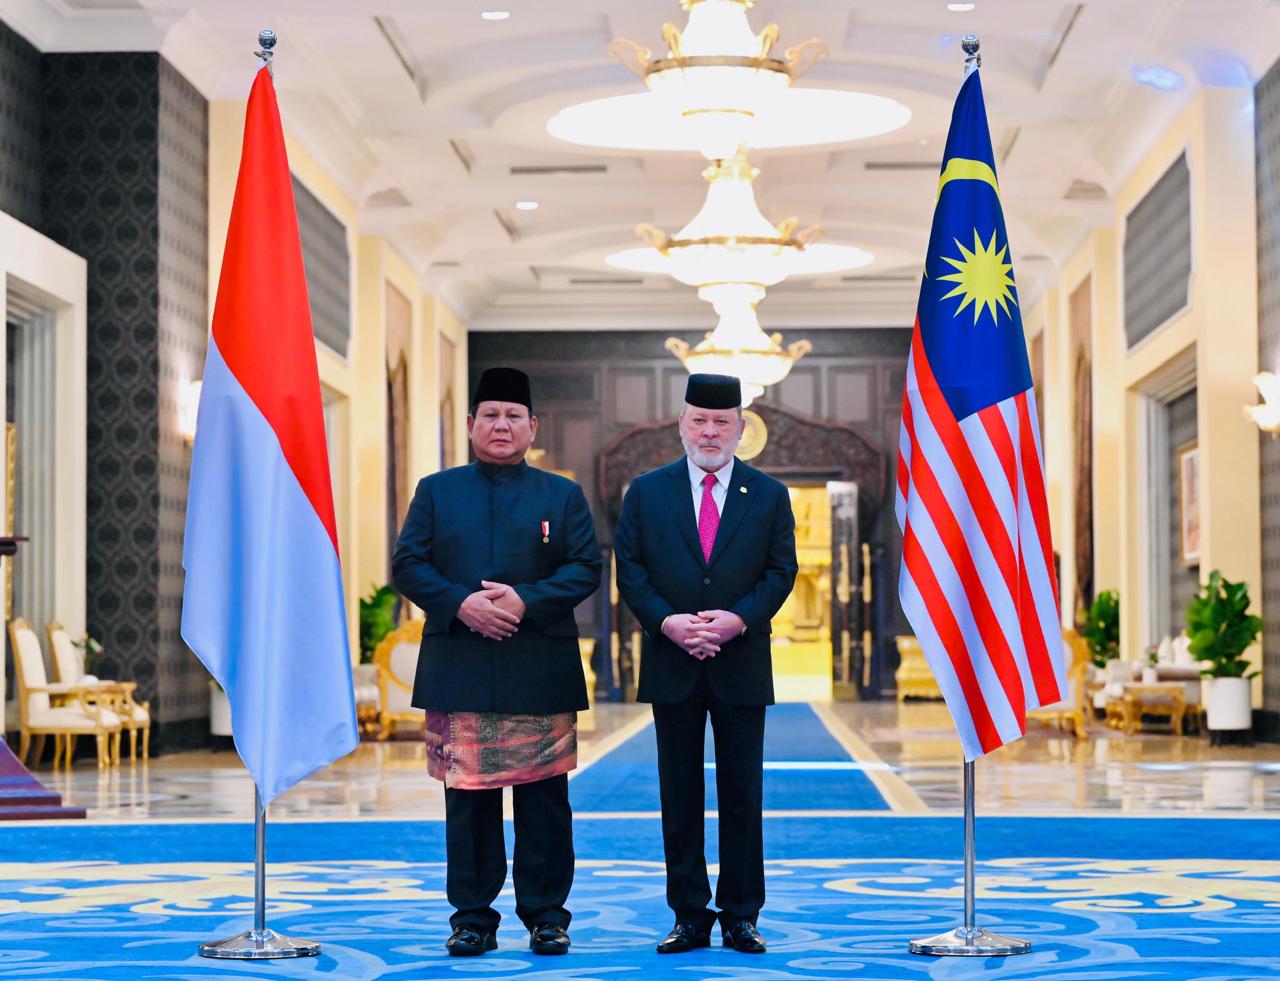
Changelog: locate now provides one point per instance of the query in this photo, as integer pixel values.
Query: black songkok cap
(713, 392)
(503, 385)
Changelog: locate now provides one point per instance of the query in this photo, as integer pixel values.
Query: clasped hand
(703, 634)
(494, 611)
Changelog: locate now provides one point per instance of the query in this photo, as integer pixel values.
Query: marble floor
(908, 750)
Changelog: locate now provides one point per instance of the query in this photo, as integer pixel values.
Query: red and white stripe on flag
(977, 579)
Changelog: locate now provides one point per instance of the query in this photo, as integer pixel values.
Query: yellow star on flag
(982, 277)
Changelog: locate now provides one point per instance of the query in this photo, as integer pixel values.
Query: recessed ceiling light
(500, 14)
(1158, 77)
(526, 205)
(961, 8)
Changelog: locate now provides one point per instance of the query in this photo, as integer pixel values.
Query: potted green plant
(1101, 627)
(377, 619)
(1221, 628)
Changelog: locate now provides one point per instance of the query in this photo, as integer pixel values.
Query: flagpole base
(975, 942)
(253, 945)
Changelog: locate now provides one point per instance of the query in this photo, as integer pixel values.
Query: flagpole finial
(972, 60)
(267, 41)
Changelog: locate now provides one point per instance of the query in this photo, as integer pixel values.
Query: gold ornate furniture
(396, 660)
(1071, 709)
(68, 665)
(1162, 698)
(66, 713)
(913, 676)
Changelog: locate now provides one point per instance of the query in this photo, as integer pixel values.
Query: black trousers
(739, 742)
(477, 853)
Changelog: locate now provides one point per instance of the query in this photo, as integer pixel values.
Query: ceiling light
(1158, 77)
(495, 14)
(719, 87)
(739, 347)
(961, 8)
(526, 205)
(730, 241)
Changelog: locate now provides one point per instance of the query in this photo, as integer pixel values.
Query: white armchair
(66, 711)
(396, 660)
(68, 663)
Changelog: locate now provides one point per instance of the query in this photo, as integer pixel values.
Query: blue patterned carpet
(1100, 898)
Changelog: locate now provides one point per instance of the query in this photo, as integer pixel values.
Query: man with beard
(706, 556)
(498, 555)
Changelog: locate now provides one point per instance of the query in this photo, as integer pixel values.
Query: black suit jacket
(484, 522)
(661, 571)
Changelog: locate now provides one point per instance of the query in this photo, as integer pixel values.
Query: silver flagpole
(969, 939)
(260, 943)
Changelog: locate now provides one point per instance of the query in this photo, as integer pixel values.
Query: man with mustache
(706, 555)
(498, 554)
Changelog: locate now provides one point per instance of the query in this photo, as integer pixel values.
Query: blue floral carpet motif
(1098, 897)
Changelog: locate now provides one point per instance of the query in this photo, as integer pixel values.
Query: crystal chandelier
(720, 87)
(730, 241)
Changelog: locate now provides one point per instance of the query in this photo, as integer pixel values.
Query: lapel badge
(742, 489)
(546, 532)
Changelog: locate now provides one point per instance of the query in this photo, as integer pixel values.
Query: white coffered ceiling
(433, 118)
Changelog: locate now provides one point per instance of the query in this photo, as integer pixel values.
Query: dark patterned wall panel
(21, 177)
(328, 264)
(1267, 119)
(183, 330)
(1157, 253)
(1183, 580)
(100, 153)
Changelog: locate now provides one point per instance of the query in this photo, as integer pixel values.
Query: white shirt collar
(723, 475)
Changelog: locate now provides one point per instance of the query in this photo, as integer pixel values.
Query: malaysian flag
(977, 579)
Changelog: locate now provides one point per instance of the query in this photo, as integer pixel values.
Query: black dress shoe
(548, 938)
(742, 936)
(469, 941)
(683, 938)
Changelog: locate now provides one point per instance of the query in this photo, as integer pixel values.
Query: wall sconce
(188, 407)
(1266, 415)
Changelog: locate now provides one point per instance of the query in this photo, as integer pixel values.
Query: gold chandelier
(739, 346)
(730, 241)
(719, 87)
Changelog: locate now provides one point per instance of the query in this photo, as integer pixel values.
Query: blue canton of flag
(977, 579)
(969, 316)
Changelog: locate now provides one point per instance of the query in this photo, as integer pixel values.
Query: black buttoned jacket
(661, 570)
(485, 522)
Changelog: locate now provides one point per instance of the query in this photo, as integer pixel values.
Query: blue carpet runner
(627, 778)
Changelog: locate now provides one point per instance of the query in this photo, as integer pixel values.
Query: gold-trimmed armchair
(1072, 707)
(396, 660)
(68, 665)
(65, 711)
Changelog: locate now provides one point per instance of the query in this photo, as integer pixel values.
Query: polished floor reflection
(909, 750)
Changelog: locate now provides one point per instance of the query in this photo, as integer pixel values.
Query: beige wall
(1216, 336)
(356, 379)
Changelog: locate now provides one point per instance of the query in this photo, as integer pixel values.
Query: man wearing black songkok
(706, 556)
(498, 555)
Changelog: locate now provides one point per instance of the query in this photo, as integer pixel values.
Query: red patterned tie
(708, 517)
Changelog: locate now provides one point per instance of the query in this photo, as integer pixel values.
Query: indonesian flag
(263, 604)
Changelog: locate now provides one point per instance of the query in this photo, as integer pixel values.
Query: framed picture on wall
(1189, 504)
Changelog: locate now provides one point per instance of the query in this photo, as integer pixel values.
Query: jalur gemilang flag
(977, 580)
(263, 605)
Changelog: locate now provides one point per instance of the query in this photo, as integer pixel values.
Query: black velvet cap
(713, 392)
(503, 385)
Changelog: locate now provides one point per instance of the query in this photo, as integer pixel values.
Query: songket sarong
(483, 750)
